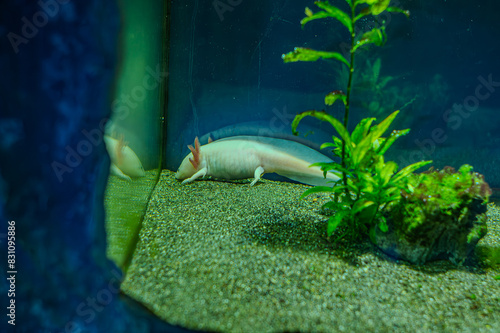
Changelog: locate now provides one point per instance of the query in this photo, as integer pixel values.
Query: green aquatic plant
(371, 82)
(441, 215)
(490, 257)
(372, 184)
(376, 36)
(380, 93)
(441, 194)
(368, 184)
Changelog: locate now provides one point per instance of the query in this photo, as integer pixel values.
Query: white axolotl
(241, 157)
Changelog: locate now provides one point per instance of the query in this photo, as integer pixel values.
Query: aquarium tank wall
(134, 138)
(185, 166)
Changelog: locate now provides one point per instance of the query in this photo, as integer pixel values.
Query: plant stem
(374, 215)
(351, 71)
(348, 96)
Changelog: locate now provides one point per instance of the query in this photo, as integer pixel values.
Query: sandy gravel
(224, 256)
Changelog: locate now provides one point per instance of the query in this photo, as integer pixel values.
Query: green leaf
(310, 16)
(305, 54)
(321, 115)
(316, 189)
(379, 6)
(338, 207)
(378, 130)
(367, 214)
(377, 163)
(465, 169)
(375, 36)
(361, 204)
(339, 189)
(352, 187)
(367, 143)
(338, 147)
(384, 81)
(327, 145)
(338, 171)
(398, 10)
(366, 178)
(368, 2)
(408, 170)
(376, 6)
(391, 193)
(377, 144)
(334, 96)
(396, 134)
(326, 166)
(387, 171)
(382, 224)
(331, 205)
(359, 152)
(334, 221)
(361, 130)
(335, 13)
(368, 189)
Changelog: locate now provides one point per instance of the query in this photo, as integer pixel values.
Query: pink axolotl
(243, 157)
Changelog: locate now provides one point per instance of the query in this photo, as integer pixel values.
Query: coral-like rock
(443, 217)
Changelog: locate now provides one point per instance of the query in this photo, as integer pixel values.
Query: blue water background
(227, 76)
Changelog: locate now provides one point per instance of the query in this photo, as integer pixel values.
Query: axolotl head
(186, 169)
(191, 162)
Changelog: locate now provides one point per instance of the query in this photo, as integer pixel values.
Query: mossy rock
(442, 217)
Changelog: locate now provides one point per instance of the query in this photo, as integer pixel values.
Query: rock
(452, 238)
(444, 217)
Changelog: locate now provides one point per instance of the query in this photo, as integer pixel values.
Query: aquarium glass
(134, 132)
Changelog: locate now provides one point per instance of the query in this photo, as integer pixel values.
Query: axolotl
(241, 157)
(124, 162)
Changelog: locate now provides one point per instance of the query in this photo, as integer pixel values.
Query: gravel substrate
(224, 256)
(125, 203)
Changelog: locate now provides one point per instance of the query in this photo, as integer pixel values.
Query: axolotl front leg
(199, 174)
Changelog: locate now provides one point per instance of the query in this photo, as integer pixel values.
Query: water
(202, 254)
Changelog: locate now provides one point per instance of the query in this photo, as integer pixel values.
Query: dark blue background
(226, 70)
